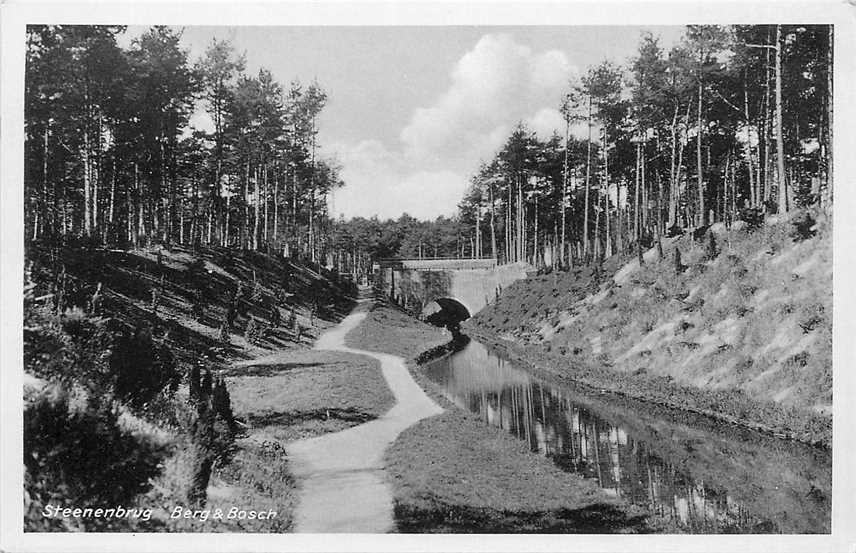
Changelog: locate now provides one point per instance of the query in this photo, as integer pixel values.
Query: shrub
(198, 307)
(211, 433)
(97, 354)
(679, 267)
(196, 269)
(753, 217)
(711, 250)
(71, 348)
(142, 368)
(804, 227)
(75, 454)
(275, 317)
(252, 331)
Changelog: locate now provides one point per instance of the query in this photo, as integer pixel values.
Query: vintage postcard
(347, 276)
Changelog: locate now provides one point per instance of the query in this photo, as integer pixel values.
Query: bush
(196, 269)
(97, 354)
(142, 368)
(753, 217)
(75, 454)
(211, 433)
(253, 331)
(711, 251)
(71, 348)
(804, 227)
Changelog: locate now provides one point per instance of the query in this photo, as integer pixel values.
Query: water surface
(692, 474)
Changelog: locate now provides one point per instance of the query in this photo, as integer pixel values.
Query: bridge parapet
(439, 264)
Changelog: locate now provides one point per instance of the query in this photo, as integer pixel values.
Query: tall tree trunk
(257, 192)
(226, 231)
(96, 177)
(608, 248)
(725, 190)
(141, 215)
(478, 251)
(588, 186)
(129, 211)
(826, 195)
(276, 207)
(194, 222)
(659, 205)
(312, 196)
(636, 193)
(245, 224)
(294, 203)
(87, 184)
(509, 256)
(699, 172)
(492, 224)
(564, 189)
(535, 243)
(644, 210)
(112, 207)
(767, 184)
(780, 143)
(52, 228)
(753, 192)
(265, 199)
(674, 183)
(216, 200)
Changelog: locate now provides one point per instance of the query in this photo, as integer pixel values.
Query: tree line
(731, 122)
(111, 157)
(359, 240)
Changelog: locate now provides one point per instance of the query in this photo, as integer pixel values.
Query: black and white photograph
(290, 278)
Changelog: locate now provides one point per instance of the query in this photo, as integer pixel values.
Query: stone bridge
(471, 283)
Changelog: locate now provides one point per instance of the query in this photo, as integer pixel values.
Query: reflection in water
(706, 484)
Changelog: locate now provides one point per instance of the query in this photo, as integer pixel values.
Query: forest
(730, 123)
(112, 159)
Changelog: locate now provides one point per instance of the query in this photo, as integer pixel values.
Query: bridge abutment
(474, 283)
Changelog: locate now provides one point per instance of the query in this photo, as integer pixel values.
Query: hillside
(744, 332)
(161, 287)
(153, 369)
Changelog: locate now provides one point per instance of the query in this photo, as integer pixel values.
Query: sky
(412, 111)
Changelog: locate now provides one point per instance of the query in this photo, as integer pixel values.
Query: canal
(691, 473)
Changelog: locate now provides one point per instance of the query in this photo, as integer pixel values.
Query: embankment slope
(742, 331)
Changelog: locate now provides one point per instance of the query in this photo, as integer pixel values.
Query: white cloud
(381, 183)
(546, 122)
(493, 86)
(496, 84)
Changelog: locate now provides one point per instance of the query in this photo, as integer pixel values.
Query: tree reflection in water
(683, 469)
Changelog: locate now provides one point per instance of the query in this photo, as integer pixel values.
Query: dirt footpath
(341, 475)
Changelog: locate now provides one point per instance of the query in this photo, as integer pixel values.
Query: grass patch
(451, 473)
(310, 393)
(388, 330)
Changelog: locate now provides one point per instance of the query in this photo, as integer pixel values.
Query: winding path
(342, 485)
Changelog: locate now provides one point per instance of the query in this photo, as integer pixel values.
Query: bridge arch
(454, 307)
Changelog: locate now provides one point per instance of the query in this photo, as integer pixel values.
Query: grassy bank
(308, 393)
(452, 473)
(110, 339)
(389, 330)
(742, 333)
